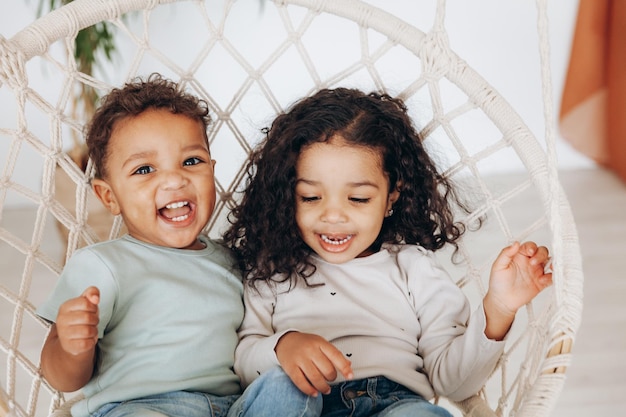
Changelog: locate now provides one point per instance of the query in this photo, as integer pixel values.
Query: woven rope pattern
(268, 67)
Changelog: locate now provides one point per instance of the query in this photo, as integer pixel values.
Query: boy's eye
(192, 161)
(146, 169)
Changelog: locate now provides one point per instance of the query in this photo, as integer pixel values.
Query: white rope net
(248, 76)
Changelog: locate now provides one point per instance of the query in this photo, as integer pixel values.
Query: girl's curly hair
(131, 100)
(263, 231)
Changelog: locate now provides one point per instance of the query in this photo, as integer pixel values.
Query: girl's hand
(311, 362)
(517, 276)
(77, 322)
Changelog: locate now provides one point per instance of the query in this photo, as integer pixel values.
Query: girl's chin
(335, 257)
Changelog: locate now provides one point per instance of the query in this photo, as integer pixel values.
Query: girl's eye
(192, 161)
(308, 199)
(359, 200)
(146, 169)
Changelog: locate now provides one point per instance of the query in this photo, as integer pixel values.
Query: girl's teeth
(176, 205)
(327, 239)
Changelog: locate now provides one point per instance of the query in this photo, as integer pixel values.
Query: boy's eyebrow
(197, 146)
(138, 155)
(147, 154)
(202, 146)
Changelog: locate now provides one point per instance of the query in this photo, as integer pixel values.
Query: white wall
(497, 38)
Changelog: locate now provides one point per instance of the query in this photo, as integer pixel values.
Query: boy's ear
(105, 193)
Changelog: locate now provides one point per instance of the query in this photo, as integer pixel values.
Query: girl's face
(342, 197)
(159, 178)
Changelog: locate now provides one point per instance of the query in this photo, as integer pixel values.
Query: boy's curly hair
(263, 230)
(131, 100)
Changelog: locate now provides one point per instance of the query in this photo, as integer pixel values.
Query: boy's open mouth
(177, 211)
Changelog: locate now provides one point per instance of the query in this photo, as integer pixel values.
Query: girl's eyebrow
(362, 184)
(354, 184)
(304, 180)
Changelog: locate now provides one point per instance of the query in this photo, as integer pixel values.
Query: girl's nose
(333, 213)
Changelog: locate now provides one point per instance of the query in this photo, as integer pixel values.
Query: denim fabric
(377, 397)
(274, 395)
(171, 404)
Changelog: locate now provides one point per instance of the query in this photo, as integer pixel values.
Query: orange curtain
(593, 106)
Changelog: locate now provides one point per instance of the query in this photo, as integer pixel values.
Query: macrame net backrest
(248, 76)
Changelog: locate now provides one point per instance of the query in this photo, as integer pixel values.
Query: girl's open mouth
(336, 243)
(336, 240)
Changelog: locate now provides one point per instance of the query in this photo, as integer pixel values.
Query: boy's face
(342, 197)
(159, 178)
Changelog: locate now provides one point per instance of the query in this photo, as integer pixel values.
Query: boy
(147, 324)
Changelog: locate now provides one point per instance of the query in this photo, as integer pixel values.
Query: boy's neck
(198, 244)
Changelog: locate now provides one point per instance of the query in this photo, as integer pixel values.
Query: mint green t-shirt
(168, 318)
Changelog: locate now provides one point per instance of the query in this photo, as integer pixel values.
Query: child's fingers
(541, 264)
(78, 307)
(528, 249)
(323, 369)
(541, 256)
(316, 379)
(339, 362)
(78, 329)
(547, 267)
(303, 384)
(85, 340)
(92, 294)
(545, 281)
(78, 319)
(506, 255)
(541, 261)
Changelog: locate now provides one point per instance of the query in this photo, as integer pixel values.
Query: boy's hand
(517, 276)
(311, 361)
(77, 322)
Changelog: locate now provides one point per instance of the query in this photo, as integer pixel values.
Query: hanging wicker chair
(248, 76)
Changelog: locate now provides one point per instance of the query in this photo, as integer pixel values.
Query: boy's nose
(173, 180)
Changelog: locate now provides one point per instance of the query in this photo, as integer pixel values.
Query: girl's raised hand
(311, 362)
(517, 276)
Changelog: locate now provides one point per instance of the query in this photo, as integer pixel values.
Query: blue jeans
(274, 395)
(170, 404)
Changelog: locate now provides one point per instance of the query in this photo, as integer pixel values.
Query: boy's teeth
(177, 211)
(176, 205)
(327, 239)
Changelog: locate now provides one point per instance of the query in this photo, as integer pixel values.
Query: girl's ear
(394, 195)
(105, 193)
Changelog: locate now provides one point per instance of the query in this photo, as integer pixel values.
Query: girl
(335, 235)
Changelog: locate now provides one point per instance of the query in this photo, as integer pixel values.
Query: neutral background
(498, 39)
